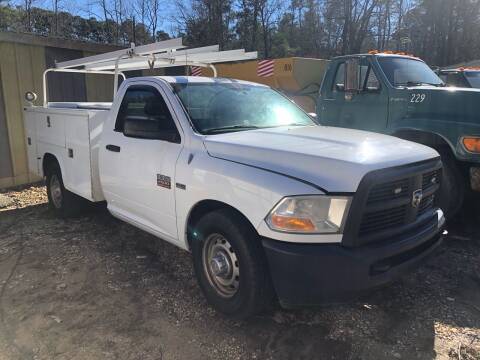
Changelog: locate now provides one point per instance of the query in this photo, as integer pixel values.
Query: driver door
(138, 172)
(365, 110)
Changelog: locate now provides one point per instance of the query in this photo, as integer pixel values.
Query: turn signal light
(472, 144)
(467, 68)
(390, 52)
(292, 223)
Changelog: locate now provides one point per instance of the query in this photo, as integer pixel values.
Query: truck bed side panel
(72, 136)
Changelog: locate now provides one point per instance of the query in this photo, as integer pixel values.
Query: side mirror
(352, 83)
(148, 129)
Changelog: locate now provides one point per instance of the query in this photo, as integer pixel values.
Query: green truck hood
(460, 105)
(451, 113)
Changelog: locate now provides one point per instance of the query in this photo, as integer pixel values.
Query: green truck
(400, 95)
(468, 77)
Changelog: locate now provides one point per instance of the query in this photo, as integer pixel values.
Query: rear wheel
(63, 202)
(230, 265)
(452, 191)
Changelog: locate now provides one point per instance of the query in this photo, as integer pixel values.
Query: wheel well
(425, 138)
(48, 161)
(204, 207)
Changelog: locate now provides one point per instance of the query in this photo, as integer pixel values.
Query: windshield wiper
(418, 83)
(244, 127)
(230, 128)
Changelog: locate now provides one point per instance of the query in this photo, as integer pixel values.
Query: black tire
(452, 191)
(254, 290)
(61, 201)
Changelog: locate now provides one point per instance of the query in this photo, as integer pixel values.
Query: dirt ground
(96, 288)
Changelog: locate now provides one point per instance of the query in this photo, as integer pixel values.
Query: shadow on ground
(94, 287)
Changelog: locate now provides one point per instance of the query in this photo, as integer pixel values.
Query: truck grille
(388, 191)
(387, 205)
(426, 205)
(383, 219)
(430, 179)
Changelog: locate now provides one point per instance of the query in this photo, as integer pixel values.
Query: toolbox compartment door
(78, 174)
(50, 128)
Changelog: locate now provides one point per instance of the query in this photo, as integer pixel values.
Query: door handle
(113, 148)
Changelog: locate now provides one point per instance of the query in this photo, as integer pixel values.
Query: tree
(439, 31)
(267, 12)
(152, 14)
(206, 22)
(28, 14)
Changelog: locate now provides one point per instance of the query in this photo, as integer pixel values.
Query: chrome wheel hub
(56, 191)
(221, 265)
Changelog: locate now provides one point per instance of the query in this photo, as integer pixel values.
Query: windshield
(217, 107)
(408, 72)
(473, 78)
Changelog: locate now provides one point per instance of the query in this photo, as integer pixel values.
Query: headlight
(309, 214)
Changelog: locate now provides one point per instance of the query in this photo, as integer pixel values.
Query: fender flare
(204, 206)
(45, 158)
(428, 138)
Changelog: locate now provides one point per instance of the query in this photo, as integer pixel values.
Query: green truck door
(365, 110)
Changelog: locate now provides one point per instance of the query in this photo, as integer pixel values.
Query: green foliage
(444, 32)
(439, 31)
(42, 22)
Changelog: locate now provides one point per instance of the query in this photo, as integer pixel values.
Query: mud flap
(475, 178)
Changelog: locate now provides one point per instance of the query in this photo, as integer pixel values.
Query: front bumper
(313, 274)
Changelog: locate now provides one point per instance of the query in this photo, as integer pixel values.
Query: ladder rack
(160, 54)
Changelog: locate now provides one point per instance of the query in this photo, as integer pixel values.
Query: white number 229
(418, 98)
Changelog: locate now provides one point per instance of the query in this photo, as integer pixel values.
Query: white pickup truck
(268, 202)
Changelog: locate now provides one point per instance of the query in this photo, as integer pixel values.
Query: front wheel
(230, 264)
(452, 191)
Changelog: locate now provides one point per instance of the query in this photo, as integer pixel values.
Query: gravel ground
(96, 288)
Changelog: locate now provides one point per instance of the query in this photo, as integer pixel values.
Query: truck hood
(333, 159)
(461, 105)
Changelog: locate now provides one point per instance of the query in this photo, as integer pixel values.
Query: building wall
(21, 68)
(23, 59)
(6, 170)
(62, 86)
(99, 87)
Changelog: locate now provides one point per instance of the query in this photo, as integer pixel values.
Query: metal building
(23, 59)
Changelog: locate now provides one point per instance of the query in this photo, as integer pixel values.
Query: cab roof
(461, 69)
(379, 55)
(204, 79)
